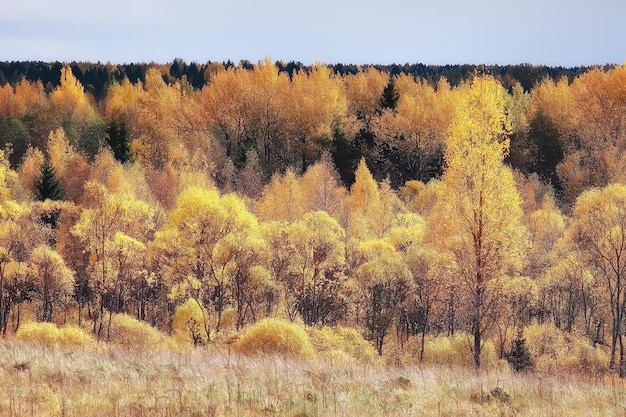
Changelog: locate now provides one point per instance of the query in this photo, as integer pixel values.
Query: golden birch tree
(478, 218)
(598, 230)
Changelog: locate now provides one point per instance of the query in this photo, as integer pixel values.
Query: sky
(435, 32)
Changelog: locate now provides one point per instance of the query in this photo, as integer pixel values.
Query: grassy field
(110, 381)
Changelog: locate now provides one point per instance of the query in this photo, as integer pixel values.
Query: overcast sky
(549, 32)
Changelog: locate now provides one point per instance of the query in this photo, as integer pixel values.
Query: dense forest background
(97, 77)
(347, 147)
(426, 200)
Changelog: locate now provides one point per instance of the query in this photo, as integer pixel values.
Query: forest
(408, 204)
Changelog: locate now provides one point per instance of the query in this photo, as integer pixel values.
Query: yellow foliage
(131, 333)
(75, 337)
(229, 318)
(407, 229)
(49, 335)
(363, 91)
(30, 170)
(322, 189)
(554, 350)
(282, 199)
(457, 351)
(46, 334)
(188, 323)
(8, 178)
(275, 336)
(343, 345)
(70, 98)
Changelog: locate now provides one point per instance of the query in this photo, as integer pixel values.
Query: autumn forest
(406, 210)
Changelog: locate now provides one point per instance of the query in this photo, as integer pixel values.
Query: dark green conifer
(389, 98)
(519, 355)
(118, 139)
(48, 186)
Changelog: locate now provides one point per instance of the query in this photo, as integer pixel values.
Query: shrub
(456, 351)
(132, 333)
(45, 334)
(49, 335)
(554, 350)
(74, 337)
(275, 336)
(188, 323)
(343, 344)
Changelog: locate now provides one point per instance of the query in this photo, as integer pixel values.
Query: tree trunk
(622, 360)
(477, 344)
(477, 321)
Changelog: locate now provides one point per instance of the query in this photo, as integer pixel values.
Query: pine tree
(389, 98)
(48, 186)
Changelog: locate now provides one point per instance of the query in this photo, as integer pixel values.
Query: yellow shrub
(74, 337)
(188, 323)
(47, 334)
(554, 350)
(343, 344)
(457, 351)
(229, 318)
(275, 336)
(130, 332)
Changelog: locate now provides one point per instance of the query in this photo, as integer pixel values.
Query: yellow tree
(16, 101)
(600, 99)
(364, 205)
(30, 170)
(74, 110)
(54, 281)
(121, 102)
(322, 189)
(126, 272)
(478, 219)
(197, 249)
(363, 91)
(21, 231)
(70, 166)
(316, 273)
(316, 102)
(598, 230)
(570, 289)
(407, 237)
(155, 127)
(385, 284)
(18, 236)
(416, 128)
(265, 94)
(238, 261)
(97, 227)
(222, 106)
(282, 199)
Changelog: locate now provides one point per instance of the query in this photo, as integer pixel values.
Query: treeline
(369, 200)
(98, 77)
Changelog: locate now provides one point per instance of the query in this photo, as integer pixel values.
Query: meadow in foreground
(108, 380)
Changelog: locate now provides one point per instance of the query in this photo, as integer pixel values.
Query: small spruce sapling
(519, 356)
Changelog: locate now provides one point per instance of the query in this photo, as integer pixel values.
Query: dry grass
(108, 381)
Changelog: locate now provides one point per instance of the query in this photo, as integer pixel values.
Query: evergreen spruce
(118, 139)
(389, 98)
(48, 186)
(519, 355)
